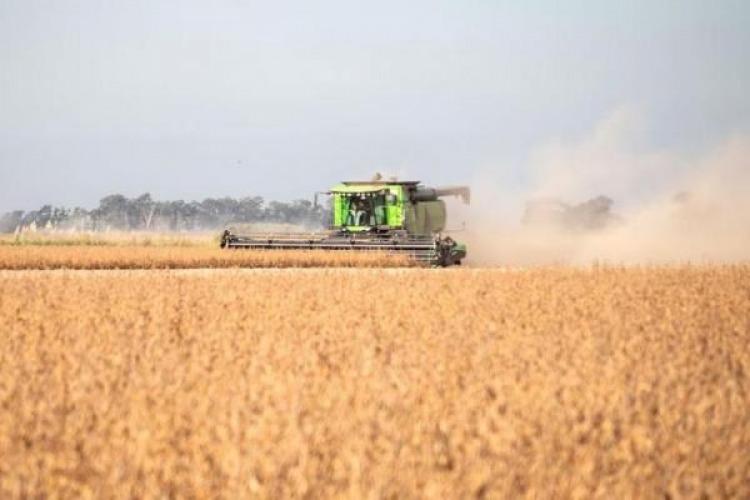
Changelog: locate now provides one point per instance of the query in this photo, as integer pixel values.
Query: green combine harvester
(396, 217)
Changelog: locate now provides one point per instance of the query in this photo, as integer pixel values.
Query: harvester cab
(393, 216)
(391, 206)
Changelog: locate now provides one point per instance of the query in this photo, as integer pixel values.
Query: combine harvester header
(400, 217)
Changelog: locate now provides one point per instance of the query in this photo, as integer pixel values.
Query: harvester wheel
(225, 238)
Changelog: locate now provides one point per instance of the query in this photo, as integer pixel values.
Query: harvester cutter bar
(419, 249)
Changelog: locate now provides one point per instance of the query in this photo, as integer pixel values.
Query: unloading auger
(397, 217)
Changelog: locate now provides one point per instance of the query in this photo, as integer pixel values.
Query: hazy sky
(190, 99)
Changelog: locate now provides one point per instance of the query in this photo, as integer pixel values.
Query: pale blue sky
(190, 99)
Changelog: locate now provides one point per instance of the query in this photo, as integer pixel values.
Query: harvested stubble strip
(138, 257)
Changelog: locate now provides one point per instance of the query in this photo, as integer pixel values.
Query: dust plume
(669, 206)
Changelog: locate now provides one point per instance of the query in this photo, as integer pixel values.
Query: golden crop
(457, 383)
(112, 238)
(181, 257)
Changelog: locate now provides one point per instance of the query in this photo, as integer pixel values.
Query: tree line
(143, 213)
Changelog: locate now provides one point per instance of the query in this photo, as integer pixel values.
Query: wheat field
(113, 238)
(366, 383)
(48, 256)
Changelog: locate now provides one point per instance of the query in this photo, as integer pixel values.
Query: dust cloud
(670, 207)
